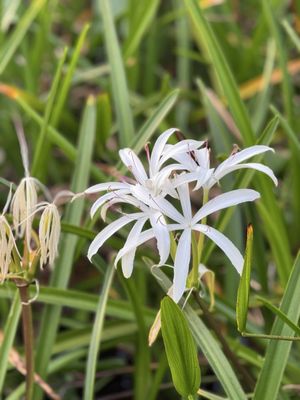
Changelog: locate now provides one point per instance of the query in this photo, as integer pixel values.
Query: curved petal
(184, 146)
(101, 187)
(128, 258)
(158, 149)
(143, 237)
(185, 201)
(133, 163)
(257, 166)
(243, 155)
(108, 231)
(225, 200)
(224, 244)
(181, 264)
(162, 235)
(106, 197)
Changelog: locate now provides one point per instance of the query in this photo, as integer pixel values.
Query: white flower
(188, 223)
(198, 165)
(147, 193)
(49, 233)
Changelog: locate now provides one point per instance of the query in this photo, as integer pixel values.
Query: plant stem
(27, 337)
(249, 381)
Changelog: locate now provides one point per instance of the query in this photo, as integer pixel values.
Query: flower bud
(7, 243)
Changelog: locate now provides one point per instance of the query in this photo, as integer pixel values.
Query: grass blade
(39, 159)
(9, 336)
(118, 76)
(277, 352)
(62, 271)
(96, 335)
(16, 37)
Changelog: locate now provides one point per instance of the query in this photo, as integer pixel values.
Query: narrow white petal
(102, 187)
(108, 231)
(224, 244)
(158, 149)
(128, 258)
(181, 264)
(257, 166)
(185, 201)
(143, 237)
(157, 203)
(134, 164)
(106, 197)
(162, 235)
(184, 146)
(225, 200)
(186, 160)
(243, 155)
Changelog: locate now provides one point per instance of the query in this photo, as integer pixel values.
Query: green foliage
(180, 349)
(89, 79)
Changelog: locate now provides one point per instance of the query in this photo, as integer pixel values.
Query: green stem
(28, 338)
(197, 249)
(271, 337)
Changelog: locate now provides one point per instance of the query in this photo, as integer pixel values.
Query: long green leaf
(244, 286)
(138, 30)
(16, 37)
(39, 159)
(9, 336)
(180, 349)
(209, 346)
(279, 313)
(65, 87)
(205, 34)
(277, 352)
(63, 267)
(118, 77)
(96, 336)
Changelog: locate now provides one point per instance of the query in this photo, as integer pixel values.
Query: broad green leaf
(9, 336)
(277, 352)
(180, 349)
(63, 266)
(118, 77)
(18, 34)
(209, 346)
(244, 286)
(94, 347)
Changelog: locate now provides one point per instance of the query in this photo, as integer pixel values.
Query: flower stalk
(27, 336)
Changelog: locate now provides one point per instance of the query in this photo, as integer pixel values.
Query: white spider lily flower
(156, 182)
(198, 166)
(23, 206)
(49, 233)
(191, 223)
